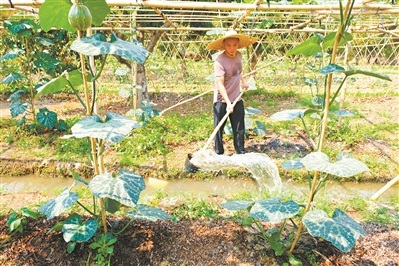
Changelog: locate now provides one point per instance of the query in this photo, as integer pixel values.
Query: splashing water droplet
(262, 168)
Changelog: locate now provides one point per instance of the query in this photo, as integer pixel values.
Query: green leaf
(59, 83)
(341, 230)
(125, 188)
(53, 86)
(71, 246)
(310, 82)
(59, 204)
(99, 10)
(331, 68)
(14, 223)
(28, 213)
(44, 41)
(46, 61)
(294, 164)
(344, 113)
(10, 78)
(367, 73)
(54, 14)
(77, 177)
(76, 78)
(21, 27)
(273, 210)
(17, 108)
(329, 40)
(12, 54)
(344, 166)
(247, 122)
(91, 46)
(62, 125)
(252, 111)
(307, 48)
(57, 227)
(148, 213)
(76, 230)
(260, 129)
(112, 205)
(47, 118)
(114, 128)
(287, 115)
(236, 205)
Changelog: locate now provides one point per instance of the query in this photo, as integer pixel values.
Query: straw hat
(244, 40)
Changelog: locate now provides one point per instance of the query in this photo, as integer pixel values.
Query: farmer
(228, 78)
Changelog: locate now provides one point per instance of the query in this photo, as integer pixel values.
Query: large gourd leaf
(54, 13)
(148, 213)
(307, 48)
(92, 46)
(273, 210)
(236, 205)
(344, 166)
(341, 230)
(59, 83)
(59, 204)
(76, 230)
(113, 129)
(287, 115)
(125, 188)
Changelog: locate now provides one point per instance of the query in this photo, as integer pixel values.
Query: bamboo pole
(159, 12)
(385, 188)
(249, 11)
(208, 5)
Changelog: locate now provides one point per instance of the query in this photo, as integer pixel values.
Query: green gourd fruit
(79, 17)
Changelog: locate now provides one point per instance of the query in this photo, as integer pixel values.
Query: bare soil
(189, 242)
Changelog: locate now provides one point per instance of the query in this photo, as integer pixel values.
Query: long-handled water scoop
(202, 94)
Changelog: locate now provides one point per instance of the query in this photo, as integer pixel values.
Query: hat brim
(244, 41)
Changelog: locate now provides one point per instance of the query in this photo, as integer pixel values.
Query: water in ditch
(219, 186)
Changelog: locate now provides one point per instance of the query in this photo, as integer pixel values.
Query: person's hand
(244, 86)
(229, 108)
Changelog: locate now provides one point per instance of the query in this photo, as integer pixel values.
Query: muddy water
(218, 186)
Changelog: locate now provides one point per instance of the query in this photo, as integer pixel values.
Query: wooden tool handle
(221, 123)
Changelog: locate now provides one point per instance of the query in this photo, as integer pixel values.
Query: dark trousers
(237, 125)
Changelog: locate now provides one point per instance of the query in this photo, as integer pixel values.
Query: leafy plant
(17, 219)
(32, 60)
(345, 231)
(272, 210)
(105, 249)
(111, 190)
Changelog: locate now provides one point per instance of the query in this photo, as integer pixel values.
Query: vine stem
(325, 122)
(93, 141)
(31, 87)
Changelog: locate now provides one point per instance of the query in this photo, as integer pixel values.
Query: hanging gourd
(79, 17)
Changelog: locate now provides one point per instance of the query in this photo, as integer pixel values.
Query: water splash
(262, 168)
